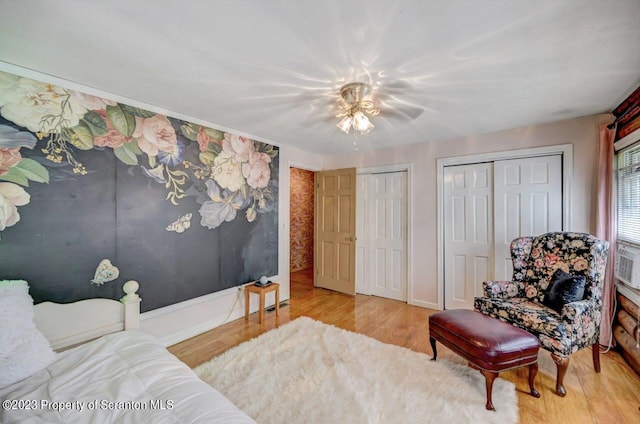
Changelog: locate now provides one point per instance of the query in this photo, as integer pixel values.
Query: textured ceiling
(273, 69)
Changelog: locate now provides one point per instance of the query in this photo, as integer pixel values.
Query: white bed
(123, 377)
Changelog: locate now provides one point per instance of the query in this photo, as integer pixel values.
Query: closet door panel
(528, 201)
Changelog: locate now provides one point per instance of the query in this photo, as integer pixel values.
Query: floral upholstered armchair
(542, 266)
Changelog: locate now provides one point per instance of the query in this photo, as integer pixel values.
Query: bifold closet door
(468, 250)
(528, 202)
(486, 206)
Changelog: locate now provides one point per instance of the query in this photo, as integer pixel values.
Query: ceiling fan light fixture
(367, 128)
(357, 108)
(361, 122)
(345, 123)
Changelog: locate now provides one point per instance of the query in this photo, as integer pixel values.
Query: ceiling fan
(356, 108)
(357, 105)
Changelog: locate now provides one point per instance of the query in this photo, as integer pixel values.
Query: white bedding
(126, 377)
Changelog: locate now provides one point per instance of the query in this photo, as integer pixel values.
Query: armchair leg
(595, 351)
(561, 364)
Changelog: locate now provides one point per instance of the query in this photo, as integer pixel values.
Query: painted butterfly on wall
(180, 224)
(105, 272)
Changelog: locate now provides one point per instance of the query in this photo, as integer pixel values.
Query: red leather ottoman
(489, 344)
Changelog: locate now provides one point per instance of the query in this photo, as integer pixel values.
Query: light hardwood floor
(613, 396)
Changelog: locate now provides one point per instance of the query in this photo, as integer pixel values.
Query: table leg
(246, 304)
(261, 314)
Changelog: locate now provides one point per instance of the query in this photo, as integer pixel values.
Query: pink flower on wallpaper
(114, 138)
(256, 170)
(157, 134)
(251, 214)
(240, 147)
(9, 158)
(203, 139)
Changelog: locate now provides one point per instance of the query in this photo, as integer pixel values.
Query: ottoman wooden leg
(533, 370)
(433, 347)
(489, 378)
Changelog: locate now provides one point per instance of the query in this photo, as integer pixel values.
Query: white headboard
(69, 324)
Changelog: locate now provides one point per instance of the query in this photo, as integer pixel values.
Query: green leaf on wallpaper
(122, 121)
(152, 161)
(95, 123)
(80, 136)
(133, 146)
(127, 153)
(207, 158)
(215, 134)
(269, 150)
(135, 111)
(33, 170)
(215, 148)
(15, 176)
(190, 131)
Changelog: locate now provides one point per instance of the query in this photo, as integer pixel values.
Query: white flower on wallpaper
(92, 102)
(227, 172)
(236, 172)
(40, 107)
(11, 196)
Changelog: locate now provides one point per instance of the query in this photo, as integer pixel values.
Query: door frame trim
(566, 150)
(408, 168)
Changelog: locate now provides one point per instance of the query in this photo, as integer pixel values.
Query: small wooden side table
(262, 291)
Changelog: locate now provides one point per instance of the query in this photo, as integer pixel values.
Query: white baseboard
(423, 304)
(180, 321)
(187, 333)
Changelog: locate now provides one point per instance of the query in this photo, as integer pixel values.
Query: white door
(468, 250)
(488, 205)
(382, 235)
(528, 201)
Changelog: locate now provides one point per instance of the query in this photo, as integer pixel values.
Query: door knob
(351, 238)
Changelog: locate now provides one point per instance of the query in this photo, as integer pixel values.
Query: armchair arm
(500, 289)
(582, 319)
(579, 313)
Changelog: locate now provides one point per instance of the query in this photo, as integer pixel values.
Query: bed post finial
(130, 288)
(131, 303)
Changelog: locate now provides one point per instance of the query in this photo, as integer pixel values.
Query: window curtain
(606, 227)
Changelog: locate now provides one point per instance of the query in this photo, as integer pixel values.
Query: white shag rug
(310, 372)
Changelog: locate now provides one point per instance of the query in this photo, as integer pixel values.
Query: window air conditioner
(628, 266)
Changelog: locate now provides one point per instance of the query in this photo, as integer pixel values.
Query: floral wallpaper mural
(184, 209)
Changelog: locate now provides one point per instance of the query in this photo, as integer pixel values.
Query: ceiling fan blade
(401, 111)
(394, 88)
